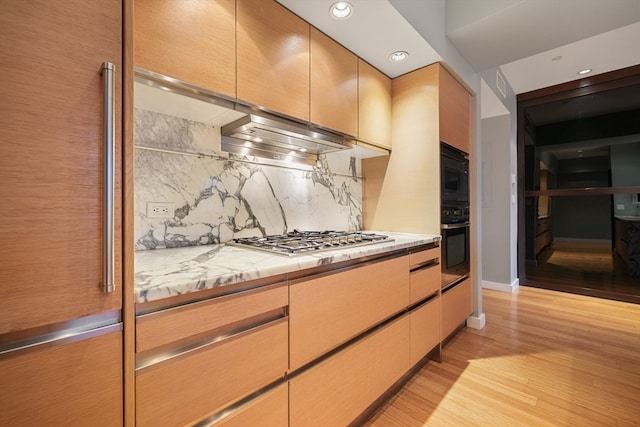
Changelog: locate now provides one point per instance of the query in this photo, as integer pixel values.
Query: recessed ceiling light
(585, 71)
(341, 10)
(398, 56)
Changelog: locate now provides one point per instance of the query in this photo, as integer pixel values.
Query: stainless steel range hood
(264, 135)
(245, 130)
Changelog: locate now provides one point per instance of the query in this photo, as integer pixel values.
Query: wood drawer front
(456, 307)
(417, 258)
(76, 384)
(336, 391)
(425, 329)
(156, 329)
(268, 410)
(197, 384)
(425, 282)
(327, 311)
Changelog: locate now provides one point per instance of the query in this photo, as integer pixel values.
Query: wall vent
(501, 84)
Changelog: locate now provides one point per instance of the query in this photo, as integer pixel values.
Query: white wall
(502, 135)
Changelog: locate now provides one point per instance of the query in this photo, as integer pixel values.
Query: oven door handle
(454, 226)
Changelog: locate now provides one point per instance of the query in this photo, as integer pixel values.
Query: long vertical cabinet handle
(108, 73)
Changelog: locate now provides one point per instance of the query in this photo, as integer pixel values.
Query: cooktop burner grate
(303, 242)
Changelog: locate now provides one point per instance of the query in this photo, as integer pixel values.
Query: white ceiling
(519, 36)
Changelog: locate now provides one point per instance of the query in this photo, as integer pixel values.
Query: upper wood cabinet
(374, 106)
(334, 85)
(455, 112)
(402, 191)
(193, 41)
(273, 58)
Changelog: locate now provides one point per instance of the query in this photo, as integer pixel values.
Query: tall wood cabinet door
(334, 85)
(455, 112)
(52, 159)
(193, 41)
(74, 384)
(273, 58)
(374, 106)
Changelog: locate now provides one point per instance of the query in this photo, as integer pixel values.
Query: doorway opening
(579, 156)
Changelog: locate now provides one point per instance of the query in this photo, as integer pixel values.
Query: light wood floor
(544, 358)
(583, 267)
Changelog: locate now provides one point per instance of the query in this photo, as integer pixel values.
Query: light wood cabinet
(425, 329)
(268, 410)
(334, 85)
(197, 383)
(193, 41)
(51, 160)
(329, 310)
(456, 307)
(455, 112)
(340, 388)
(273, 58)
(197, 359)
(374, 106)
(175, 324)
(402, 191)
(78, 383)
(425, 274)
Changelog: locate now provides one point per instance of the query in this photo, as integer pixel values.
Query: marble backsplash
(178, 161)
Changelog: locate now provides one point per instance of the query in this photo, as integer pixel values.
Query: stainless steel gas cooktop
(306, 242)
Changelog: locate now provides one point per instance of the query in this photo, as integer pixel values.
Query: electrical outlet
(160, 210)
(619, 207)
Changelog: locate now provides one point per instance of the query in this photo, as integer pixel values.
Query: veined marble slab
(165, 273)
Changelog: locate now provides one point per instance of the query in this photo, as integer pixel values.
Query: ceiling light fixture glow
(585, 71)
(398, 56)
(341, 10)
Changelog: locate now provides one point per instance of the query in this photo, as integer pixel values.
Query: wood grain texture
(456, 307)
(70, 384)
(374, 105)
(544, 358)
(51, 159)
(174, 324)
(329, 310)
(424, 282)
(339, 389)
(268, 410)
(425, 329)
(402, 192)
(193, 41)
(190, 387)
(455, 110)
(273, 58)
(417, 258)
(334, 85)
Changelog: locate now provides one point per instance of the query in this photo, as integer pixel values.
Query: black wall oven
(454, 215)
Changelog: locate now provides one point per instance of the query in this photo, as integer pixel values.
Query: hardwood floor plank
(544, 358)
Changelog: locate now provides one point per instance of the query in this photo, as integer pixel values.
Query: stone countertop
(165, 273)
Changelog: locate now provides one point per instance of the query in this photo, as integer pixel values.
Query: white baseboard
(476, 322)
(503, 287)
